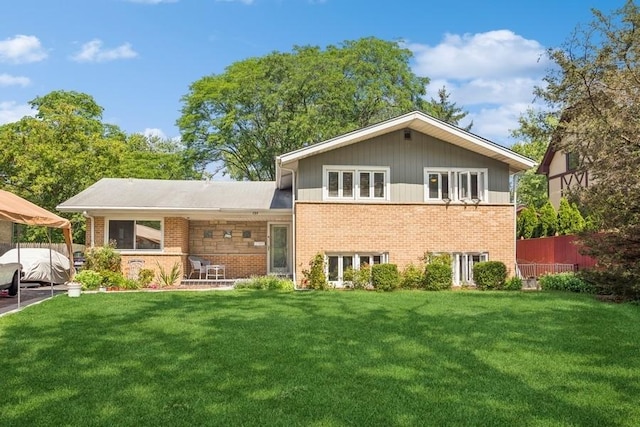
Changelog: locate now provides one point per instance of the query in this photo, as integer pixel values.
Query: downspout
(93, 230)
(293, 224)
(515, 222)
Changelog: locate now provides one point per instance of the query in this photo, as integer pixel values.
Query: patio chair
(198, 265)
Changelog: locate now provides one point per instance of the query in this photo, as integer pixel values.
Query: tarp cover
(40, 265)
(16, 209)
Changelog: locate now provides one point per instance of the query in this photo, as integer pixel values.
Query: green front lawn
(321, 359)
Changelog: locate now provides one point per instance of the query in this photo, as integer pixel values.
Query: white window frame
(455, 177)
(357, 256)
(462, 266)
(134, 220)
(357, 170)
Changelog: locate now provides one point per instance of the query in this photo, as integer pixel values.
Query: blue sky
(137, 58)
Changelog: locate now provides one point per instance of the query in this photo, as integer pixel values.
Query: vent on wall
(407, 134)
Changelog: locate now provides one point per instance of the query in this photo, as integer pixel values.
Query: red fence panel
(552, 250)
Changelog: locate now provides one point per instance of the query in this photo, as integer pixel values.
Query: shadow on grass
(333, 358)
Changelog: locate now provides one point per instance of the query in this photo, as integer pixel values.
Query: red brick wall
(405, 231)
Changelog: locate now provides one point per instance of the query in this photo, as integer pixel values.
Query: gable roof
(126, 194)
(417, 121)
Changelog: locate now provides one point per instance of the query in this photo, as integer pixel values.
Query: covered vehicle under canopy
(18, 210)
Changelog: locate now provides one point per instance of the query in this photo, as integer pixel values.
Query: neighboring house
(563, 173)
(387, 193)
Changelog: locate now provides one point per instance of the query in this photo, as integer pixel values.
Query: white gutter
(293, 223)
(93, 229)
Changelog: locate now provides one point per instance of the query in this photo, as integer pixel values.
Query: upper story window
(349, 183)
(135, 234)
(572, 161)
(443, 184)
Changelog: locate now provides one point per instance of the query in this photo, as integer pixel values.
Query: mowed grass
(321, 359)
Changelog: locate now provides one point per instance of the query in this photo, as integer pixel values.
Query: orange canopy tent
(16, 209)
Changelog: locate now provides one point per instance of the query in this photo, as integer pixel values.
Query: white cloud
(93, 52)
(12, 112)
(496, 123)
(21, 49)
(9, 80)
(154, 132)
(492, 54)
(491, 75)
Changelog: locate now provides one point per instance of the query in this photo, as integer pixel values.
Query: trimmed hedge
(385, 277)
(437, 277)
(490, 274)
(568, 282)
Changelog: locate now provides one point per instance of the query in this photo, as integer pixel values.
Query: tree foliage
(596, 84)
(66, 147)
(527, 224)
(570, 219)
(547, 220)
(261, 107)
(534, 132)
(445, 110)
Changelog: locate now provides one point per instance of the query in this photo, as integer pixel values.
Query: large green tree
(66, 147)
(261, 107)
(534, 134)
(597, 86)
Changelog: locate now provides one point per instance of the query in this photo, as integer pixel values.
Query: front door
(279, 249)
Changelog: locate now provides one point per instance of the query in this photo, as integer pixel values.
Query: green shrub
(145, 277)
(513, 284)
(437, 276)
(104, 258)
(266, 282)
(315, 277)
(489, 274)
(112, 279)
(168, 278)
(130, 284)
(361, 278)
(385, 277)
(411, 277)
(568, 282)
(89, 279)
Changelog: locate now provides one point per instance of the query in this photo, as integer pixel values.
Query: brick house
(386, 193)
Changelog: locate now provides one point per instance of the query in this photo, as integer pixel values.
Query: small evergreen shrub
(438, 274)
(130, 284)
(385, 277)
(89, 279)
(104, 258)
(315, 277)
(411, 277)
(361, 278)
(489, 274)
(145, 277)
(513, 284)
(568, 282)
(274, 283)
(437, 277)
(112, 279)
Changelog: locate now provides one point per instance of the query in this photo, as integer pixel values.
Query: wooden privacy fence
(59, 247)
(556, 250)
